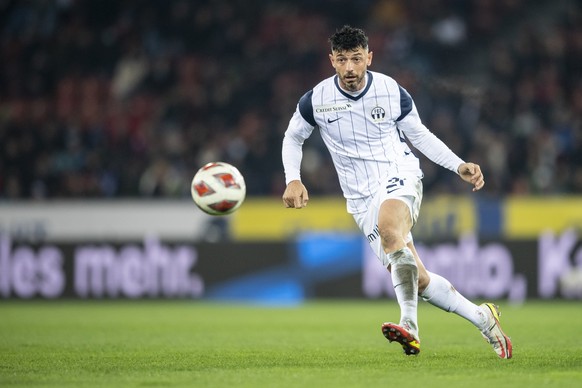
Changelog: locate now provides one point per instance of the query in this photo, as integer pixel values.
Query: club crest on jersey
(346, 107)
(378, 114)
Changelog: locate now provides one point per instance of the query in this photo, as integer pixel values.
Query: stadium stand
(127, 99)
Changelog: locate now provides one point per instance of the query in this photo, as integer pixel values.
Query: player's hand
(471, 173)
(295, 195)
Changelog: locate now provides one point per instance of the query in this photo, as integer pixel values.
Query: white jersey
(365, 135)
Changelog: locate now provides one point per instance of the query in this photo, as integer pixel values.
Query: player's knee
(392, 239)
(402, 256)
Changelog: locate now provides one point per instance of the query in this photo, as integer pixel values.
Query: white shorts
(408, 189)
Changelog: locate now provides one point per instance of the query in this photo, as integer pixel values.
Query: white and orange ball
(218, 188)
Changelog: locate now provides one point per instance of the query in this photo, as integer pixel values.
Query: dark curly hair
(348, 39)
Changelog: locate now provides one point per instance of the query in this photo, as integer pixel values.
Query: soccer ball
(218, 188)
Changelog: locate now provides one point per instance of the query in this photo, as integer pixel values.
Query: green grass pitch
(317, 344)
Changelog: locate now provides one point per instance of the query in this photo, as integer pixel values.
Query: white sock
(405, 281)
(441, 293)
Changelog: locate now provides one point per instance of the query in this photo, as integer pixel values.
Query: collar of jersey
(355, 98)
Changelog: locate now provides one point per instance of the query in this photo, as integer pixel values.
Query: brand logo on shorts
(374, 235)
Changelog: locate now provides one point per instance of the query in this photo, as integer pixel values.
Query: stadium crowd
(129, 98)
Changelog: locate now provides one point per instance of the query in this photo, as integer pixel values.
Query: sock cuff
(427, 293)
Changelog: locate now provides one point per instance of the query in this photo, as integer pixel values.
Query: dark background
(117, 99)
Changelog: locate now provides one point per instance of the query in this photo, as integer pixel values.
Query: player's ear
(370, 55)
(331, 60)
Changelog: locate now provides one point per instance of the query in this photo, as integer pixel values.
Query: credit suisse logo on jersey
(333, 108)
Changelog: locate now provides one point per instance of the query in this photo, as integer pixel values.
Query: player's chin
(351, 82)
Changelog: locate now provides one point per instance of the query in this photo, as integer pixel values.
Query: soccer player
(364, 118)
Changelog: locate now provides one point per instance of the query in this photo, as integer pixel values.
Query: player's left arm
(431, 146)
(428, 143)
(437, 151)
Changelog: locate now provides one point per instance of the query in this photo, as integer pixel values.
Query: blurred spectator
(128, 99)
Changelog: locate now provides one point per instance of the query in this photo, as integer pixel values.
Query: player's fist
(471, 173)
(295, 195)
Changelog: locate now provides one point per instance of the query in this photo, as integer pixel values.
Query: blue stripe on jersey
(356, 98)
(306, 107)
(405, 103)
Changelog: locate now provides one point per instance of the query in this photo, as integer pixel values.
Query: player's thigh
(398, 200)
(408, 191)
(394, 216)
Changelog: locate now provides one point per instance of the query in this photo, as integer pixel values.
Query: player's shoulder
(305, 104)
(384, 78)
(318, 88)
(325, 83)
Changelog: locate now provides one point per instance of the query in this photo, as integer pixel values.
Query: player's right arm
(299, 129)
(295, 195)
